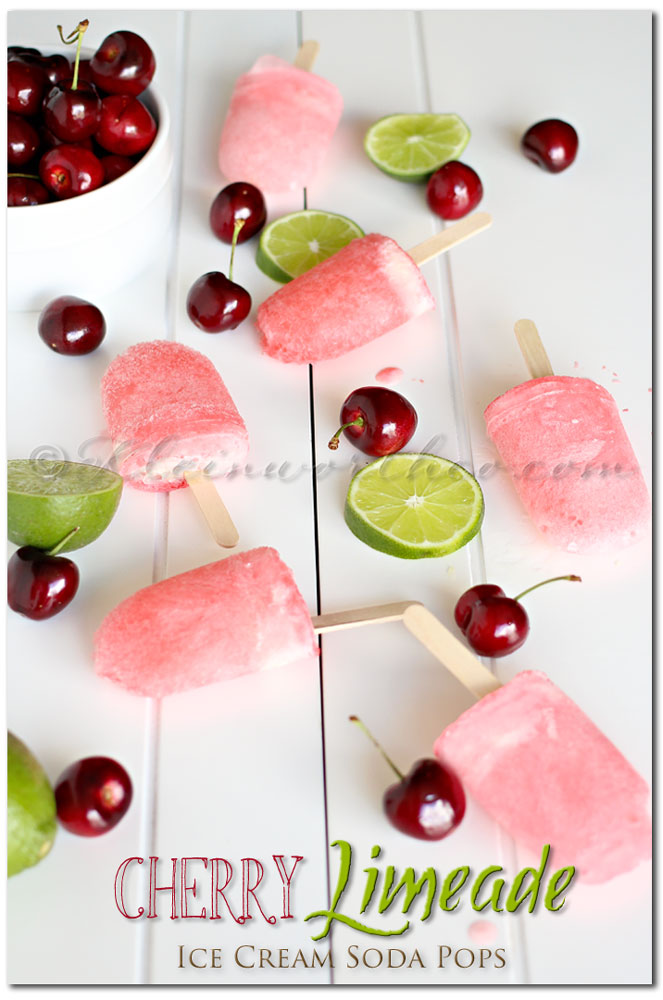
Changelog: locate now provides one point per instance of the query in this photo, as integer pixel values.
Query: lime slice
(293, 244)
(31, 825)
(411, 147)
(46, 499)
(414, 506)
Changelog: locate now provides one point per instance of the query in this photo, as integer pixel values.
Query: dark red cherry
(454, 190)
(72, 114)
(26, 191)
(69, 325)
(115, 165)
(376, 420)
(428, 802)
(56, 67)
(21, 50)
(216, 303)
(70, 170)
(26, 84)
(92, 796)
(466, 601)
(551, 144)
(123, 64)
(126, 126)
(238, 201)
(84, 72)
(22, 141)
(39, 584)
(48, 140)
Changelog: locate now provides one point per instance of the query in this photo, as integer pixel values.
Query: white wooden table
(269, 764)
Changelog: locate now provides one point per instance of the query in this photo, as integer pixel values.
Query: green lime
(293, 244)
(411, 147)
(31, 822)
(46, 499)
(414, 506)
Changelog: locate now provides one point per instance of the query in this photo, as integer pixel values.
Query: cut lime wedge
(46, 500)
(414, 506)
(411, 147)
(293, 244)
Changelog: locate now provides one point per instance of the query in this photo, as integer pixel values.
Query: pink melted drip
(389, 376)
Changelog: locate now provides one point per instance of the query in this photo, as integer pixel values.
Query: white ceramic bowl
(96, 242)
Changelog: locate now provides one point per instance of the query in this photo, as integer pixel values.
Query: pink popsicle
(236, 616)
(168, 410)
(548, 775)
(366, 289)
(279, 124)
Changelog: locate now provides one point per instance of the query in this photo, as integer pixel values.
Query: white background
(237, 770)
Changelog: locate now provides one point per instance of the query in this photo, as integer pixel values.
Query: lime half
(414, 506)
(411, 147)
(293, 244)
(47, 499)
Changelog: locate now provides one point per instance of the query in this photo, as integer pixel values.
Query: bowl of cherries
(89, 187)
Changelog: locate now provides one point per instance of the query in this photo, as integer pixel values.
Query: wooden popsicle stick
(213, 509)
(450, 237)
(306, 55)
(361, 616)
(534, 352)
(450, 651)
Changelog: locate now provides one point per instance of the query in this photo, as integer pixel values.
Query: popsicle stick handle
(532, 348)
(361, 616)
(449, 651)
(450, 237)
(306, 55)
(213, 509)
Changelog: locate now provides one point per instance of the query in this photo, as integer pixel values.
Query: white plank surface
(237, 770)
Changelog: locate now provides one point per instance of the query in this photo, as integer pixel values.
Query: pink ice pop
(279, 124)
(571, 462)
(168, 410)
(542, 769)
(366, 289)
(240, 615)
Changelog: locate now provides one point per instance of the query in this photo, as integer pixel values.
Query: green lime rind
(46, 500)
(414, 506)
(31, 823)
(295, 243)
(412, 147)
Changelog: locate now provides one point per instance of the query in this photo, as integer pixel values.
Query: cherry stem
(357, 721)
(238, 225)
(75, 36)
(357, 422)
(30, 177)
(56, 548)
(575, 579)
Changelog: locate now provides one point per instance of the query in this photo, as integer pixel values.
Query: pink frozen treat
(168, 411)
(543, 770)
(236, 616)
(278, 127)
(572, 464)
(367, 288)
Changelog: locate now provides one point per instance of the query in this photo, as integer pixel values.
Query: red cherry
(551, 144)
(376, 420)
(20, 50)
(69, 325)
(56, 67)
(494, 624)
(126, 126)
(72, 114)
(123, 64)
(22, 141)
(454, 190)
(428, 802)
(48, 140)
(238, 201)
(92, 796)
(26, 191)
(70, 170)
(40, 584)
(216, 303)
(26, 84)
(114, 166)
